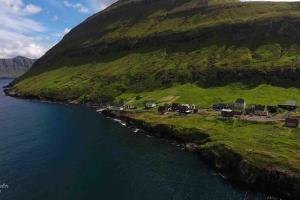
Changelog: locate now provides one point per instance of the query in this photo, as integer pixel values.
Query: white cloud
(32, 9)
(19, 8)
(78, 6)
(15, 44)
(15, 27)
(97, 5)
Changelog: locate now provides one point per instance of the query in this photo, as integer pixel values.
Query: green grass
(205, 97)
(183, 51)
(264, 145)
(215, 73)
(163, 24)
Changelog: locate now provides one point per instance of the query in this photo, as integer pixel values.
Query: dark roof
(292, 120)
(260, 107)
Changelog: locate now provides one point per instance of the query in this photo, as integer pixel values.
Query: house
(261, 110)
(289, 105)
(227, 113)
(240, 105)
(150, 105)
(292, 122)
(175, 107)
(163, 110)
(220, 106)
(272, 109)
(185, 109)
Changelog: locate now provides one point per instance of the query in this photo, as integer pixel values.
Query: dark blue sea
(54, 152)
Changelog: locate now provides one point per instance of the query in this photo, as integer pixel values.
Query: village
(226, 111)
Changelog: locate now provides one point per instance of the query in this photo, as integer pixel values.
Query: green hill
(189, 51)
(147, 45)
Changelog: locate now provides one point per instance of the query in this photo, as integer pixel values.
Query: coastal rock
(192, 147)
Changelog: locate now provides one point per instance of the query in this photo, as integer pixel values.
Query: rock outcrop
(12, 68)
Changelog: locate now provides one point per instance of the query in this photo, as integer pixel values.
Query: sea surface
(54, 151)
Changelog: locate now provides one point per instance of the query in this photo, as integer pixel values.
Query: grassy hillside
(141, 46)
(188, 51)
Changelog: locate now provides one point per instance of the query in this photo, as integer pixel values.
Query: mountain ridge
(133, 43)
(14, 67)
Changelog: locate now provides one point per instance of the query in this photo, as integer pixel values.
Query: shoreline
(229, 164)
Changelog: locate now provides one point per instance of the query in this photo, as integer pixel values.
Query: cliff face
(12, 68)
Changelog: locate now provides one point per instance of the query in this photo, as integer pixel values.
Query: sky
(31, 27)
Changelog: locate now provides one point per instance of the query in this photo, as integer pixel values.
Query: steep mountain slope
(145, 45)
(12, 68)
(189, 51)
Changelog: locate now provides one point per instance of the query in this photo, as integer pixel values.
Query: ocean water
(53, 151)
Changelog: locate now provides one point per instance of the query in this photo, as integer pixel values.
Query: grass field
(268, 145)
(206, 97)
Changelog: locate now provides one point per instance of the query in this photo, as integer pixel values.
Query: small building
(150, 105)
(240, 105)
(292, 122)
(175, 107)
(116, 108)
(163, 110)
(272, 109)
(227, 113)
(289, 105)
(185, 109)
(221, 106)
(261, 110)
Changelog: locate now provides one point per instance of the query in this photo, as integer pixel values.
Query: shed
(289, 105)
(175, 107)
(185, 108)
(220, 106)
(150, 105)
(292, 122)
(227, 113)
(163, 110)
(272, 109)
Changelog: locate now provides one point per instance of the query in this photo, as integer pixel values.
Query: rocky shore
(232, 165)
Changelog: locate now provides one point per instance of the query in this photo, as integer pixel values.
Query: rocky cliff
(12, 68)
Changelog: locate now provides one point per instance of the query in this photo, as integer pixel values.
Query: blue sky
(30, 27)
